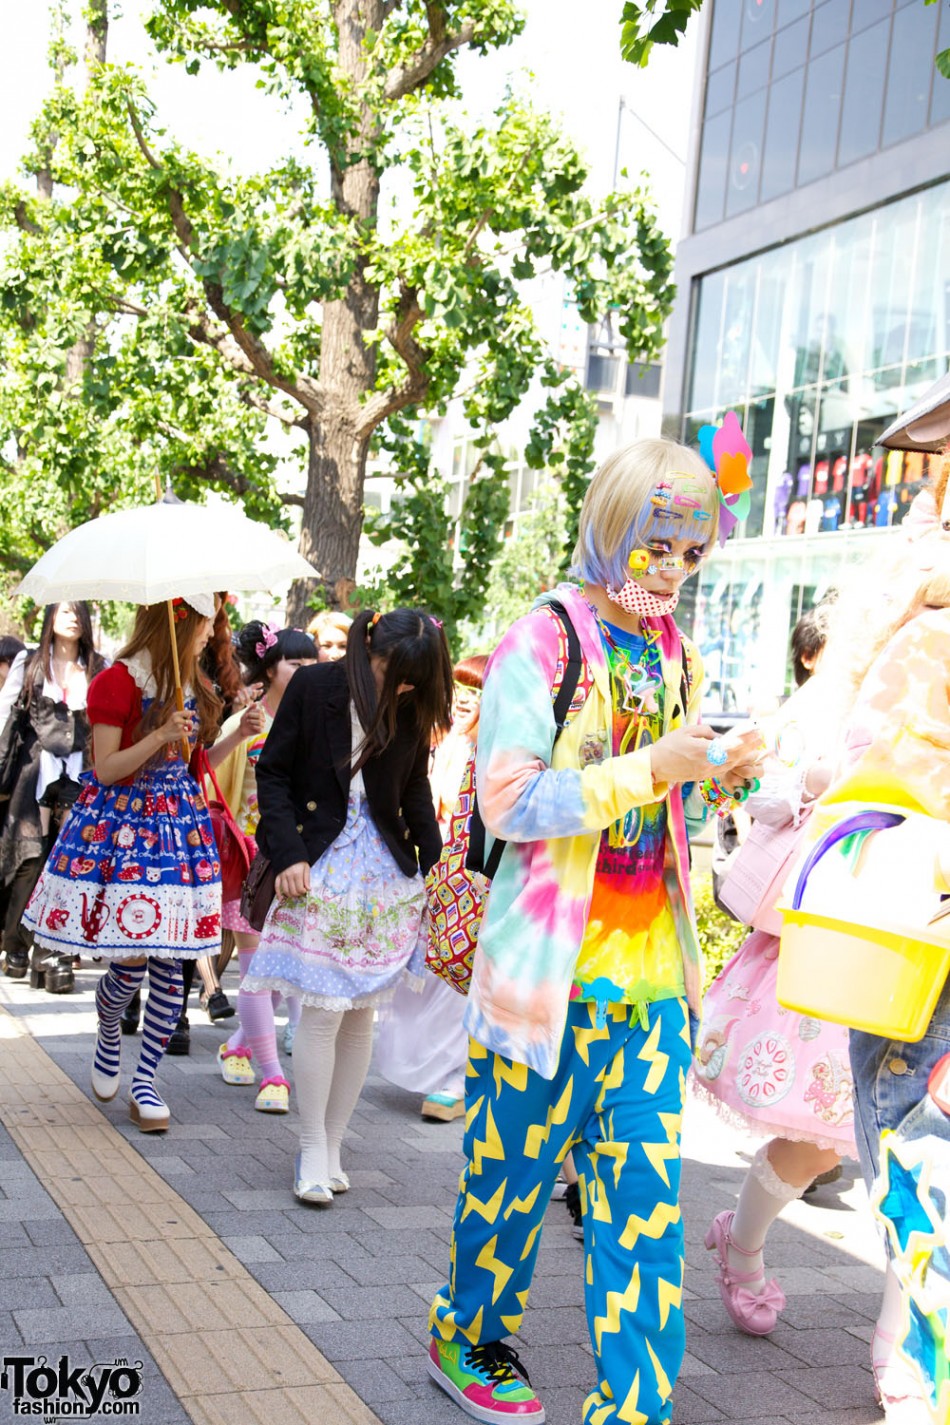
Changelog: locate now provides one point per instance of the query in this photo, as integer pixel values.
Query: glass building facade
(797, 90)
(824, 334)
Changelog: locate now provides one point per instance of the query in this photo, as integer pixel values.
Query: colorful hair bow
(269, 638)
(727, 453)
(436, 621)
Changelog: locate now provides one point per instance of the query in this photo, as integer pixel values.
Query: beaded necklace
(639, 682)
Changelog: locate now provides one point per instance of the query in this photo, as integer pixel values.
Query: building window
(725, 31)
(714, 162)
(911, 72)
(753, 70)
(720, 89)
(746, 158)
(820, 122)
(781, 136)
(860, 121)
(829, 25)
(790, 48)
(643, 380)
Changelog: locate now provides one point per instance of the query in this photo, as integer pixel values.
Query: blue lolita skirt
(134, 871)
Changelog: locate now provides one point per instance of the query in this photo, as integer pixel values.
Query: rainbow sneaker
(481, 1381)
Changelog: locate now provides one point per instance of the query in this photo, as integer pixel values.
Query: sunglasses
(655, 561)
(463, 690)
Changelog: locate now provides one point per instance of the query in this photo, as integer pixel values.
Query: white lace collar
(140, 670)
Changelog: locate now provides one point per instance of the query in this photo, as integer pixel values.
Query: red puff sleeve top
(115, 700)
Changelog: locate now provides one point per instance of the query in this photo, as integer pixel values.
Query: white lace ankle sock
(354, 1047)
(314, 1067)
(761, 1200)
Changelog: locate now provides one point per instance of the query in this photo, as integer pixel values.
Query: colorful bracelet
(722, 802)
(715, 796)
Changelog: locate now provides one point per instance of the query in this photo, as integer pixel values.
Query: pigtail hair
(416, 654)
(359, 676)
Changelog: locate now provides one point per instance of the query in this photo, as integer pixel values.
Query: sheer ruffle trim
(762, 1128)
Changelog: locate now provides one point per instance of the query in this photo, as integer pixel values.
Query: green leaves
(165, 312)
(640, 31)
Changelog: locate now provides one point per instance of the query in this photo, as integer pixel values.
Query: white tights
(331, 1060)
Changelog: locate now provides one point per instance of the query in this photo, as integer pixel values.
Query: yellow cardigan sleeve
(230, 773)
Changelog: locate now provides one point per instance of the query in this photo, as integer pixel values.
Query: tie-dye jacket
(551, 811)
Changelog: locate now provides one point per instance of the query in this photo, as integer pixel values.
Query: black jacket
(303, 778)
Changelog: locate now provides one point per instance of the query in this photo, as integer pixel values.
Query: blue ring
(716, 753)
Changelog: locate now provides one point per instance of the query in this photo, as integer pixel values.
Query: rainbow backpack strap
(457, 885)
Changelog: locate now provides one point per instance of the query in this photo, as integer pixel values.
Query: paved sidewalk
(354, 1282)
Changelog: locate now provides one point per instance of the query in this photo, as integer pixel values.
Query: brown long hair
(415, 651)
(150, 635)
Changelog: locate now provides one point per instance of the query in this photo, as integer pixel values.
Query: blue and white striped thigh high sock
(113, 992)
(162, 1009)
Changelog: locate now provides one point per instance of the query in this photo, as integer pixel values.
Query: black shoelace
(497, 1358)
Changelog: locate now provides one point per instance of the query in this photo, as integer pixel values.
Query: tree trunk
(97, 33)
(332, 515)
(333, 505)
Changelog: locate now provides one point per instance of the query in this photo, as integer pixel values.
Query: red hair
(470, 672)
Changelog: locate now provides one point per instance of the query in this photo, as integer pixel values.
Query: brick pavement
(356, 1280)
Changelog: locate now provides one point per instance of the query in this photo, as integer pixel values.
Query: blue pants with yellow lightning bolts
(617, 1101)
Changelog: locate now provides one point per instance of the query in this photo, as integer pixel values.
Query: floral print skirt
(349, 941)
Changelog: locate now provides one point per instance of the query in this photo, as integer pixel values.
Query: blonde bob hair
(327, 619)
(619, 516)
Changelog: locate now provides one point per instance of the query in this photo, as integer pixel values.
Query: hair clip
(270, 632)
(181, 610)
(436, 621)
(728, 454)
(639, 562)
(375, 619)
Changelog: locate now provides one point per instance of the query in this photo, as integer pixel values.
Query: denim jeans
(890, 1087)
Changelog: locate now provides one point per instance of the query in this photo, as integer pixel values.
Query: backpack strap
(563, 697)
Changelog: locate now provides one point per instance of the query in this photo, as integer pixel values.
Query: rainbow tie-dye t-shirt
(630, 953)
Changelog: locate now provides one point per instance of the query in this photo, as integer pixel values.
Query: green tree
(333, 300)
(532, 560)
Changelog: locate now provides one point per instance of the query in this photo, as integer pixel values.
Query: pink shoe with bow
(754, 1313)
